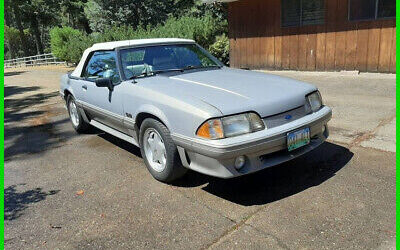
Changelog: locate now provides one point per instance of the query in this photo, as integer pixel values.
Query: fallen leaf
(80, 192)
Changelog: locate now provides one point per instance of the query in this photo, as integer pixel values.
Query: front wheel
(77, 121)
(159, 151)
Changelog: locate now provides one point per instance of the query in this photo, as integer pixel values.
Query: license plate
(298, 138)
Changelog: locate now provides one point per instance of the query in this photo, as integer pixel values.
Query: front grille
(285, 117)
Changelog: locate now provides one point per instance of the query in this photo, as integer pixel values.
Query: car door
(103, 104)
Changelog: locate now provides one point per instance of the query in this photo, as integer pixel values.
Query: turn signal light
(211, 129)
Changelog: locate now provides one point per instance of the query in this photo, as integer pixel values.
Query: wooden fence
(37, 60)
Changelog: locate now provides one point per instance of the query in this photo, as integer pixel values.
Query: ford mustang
(186, 110)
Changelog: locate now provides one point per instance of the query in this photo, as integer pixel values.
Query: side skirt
(114, 132)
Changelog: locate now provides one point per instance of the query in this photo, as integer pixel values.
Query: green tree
(103, 14)
(220, 49)
(35, 15)
(73, 15)
(61, 40)
(68, 44)
(14, 15)
(33, 19)
(11, 40)
(39, 12)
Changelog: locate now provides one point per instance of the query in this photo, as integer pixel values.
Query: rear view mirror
(105, 82)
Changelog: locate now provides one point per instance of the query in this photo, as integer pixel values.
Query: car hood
(234, 91)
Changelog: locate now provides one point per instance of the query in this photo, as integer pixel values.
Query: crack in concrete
(202, 204)
(240, 224)
(371, 133)
(233, 228)
(280, 242)
(244, 222)
(356, 142)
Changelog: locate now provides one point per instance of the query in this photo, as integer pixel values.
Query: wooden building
(322, 35)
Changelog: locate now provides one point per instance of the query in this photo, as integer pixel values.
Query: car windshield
(164, 58)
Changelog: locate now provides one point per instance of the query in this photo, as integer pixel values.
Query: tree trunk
(7, 43)
(85, 24)
(36, 34)
(11, 49)
(21, 30)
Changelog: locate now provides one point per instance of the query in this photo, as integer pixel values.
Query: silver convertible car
(186, 110)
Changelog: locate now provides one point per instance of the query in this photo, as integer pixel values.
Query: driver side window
(102, 64)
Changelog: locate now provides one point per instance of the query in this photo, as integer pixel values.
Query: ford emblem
(288, 117)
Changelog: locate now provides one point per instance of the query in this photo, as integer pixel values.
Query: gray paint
(183, 101)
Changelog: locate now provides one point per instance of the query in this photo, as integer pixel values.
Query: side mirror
(105, 82)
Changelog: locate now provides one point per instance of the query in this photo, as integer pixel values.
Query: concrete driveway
(93, 191)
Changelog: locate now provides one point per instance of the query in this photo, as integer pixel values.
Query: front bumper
(217, 157)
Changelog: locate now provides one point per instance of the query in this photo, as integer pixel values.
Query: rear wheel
(159, 151)
(77, 121)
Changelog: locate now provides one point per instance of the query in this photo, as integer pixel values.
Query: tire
(172, 168)
(75, 116)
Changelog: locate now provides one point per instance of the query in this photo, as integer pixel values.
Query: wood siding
(257, 40)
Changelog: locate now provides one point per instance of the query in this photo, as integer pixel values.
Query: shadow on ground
(33, 139)
(13, 73)
(29, 128)
(277, 182)
(268, 185)
(13, 90)
(13, 107)
(120, 143)
(16, 202)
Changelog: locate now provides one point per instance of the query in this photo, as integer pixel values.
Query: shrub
(14, 46)
(220, 49)
(202, 30)
(68, 44)
(76, 46)
(61, 41)
(11, 39)
(115, 34)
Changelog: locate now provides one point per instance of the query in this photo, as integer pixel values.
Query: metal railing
(43, 59)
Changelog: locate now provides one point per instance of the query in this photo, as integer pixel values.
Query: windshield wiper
(164, 71)
(201, 67)
(154, 72)
(137, 76)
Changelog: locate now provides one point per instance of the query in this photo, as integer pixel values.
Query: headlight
(230, 126)
(315, 101)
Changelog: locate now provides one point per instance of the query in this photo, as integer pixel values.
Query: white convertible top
(112, 45)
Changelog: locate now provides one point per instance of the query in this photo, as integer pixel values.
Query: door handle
(84, 87)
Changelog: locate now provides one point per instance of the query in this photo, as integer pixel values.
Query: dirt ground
(64, 190)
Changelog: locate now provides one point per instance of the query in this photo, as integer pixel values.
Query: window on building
(386, 8)
(371, 9)
(302, 12)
